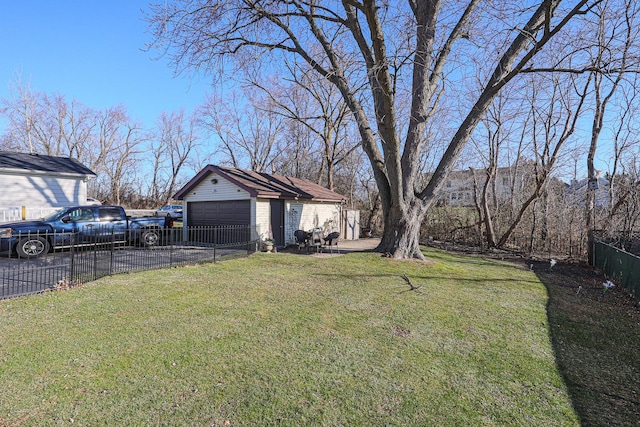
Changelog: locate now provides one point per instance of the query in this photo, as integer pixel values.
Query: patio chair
(332, 240)
(301, 238)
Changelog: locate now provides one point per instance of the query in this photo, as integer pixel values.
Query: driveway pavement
(25, 276)
(56, 258)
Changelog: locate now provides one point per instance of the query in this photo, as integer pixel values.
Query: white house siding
(263, 218)
(310, 215)
(207, 191)
(41, 191)
(350, 224)
(221, 190)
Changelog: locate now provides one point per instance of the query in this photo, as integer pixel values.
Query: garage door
(232, 212)
(213, 222)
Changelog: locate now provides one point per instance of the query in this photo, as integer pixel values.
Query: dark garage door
(233, 212)
(214, 222)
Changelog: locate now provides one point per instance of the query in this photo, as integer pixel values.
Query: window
(110, 214)
(82, 214)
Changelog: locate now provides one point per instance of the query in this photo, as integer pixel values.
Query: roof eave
(206, 171)
(253, 192)
(17, 171)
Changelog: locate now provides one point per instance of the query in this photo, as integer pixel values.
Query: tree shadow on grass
(596, 338)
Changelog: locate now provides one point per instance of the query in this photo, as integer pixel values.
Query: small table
(315, 238)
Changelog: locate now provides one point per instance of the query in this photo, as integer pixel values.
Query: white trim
(11, 171)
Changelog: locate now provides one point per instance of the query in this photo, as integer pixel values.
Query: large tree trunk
(401, 237)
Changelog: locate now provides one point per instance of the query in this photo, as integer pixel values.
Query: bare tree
(317, 105)
(302, 158)
(21, 111)
(47, 124)
(551, 129)
(178, 138)
(612, 51)
(412, 46)
(249, 136)
(116, 159)
(623, 163)
(486, 195)
(627, 206)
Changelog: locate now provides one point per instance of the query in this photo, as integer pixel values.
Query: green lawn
(282, 339)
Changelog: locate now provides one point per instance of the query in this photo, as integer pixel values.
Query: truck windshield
(55, 216)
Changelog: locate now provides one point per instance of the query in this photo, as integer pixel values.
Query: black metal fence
(86, 257)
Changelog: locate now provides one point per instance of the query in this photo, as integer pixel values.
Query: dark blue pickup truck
(80, 225)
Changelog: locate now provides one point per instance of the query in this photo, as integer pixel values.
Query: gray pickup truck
(80, 225)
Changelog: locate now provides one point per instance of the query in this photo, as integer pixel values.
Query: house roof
(264, 185)
(41, 163)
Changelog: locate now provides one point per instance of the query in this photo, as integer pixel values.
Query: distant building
(459, 187)
(577, 191)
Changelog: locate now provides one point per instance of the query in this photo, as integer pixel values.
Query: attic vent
(214, 181)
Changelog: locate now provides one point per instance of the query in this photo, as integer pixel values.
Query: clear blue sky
(92, 52)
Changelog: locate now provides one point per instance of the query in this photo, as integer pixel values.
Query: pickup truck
(80, 225)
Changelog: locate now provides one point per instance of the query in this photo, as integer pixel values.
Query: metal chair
(332, 240)
(301, 238)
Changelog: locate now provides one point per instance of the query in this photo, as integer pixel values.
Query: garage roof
(40, 163)
(264, 185)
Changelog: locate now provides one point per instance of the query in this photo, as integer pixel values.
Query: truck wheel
(150, 238)
(32, 247)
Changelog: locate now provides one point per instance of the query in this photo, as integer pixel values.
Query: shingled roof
(41, 163)
(264, 185)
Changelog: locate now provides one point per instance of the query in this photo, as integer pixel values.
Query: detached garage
(276, 205)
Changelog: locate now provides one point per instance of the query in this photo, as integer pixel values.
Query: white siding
(263, 218)
(350, 224)
(207, 191)
(310, 215)
(41, 191)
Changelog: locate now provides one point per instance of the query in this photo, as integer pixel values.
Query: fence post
(113, 250)
(171, 239)
(72, 278)
(95, 256)
(591, 249)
